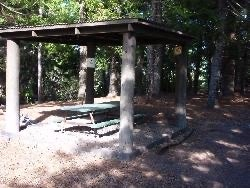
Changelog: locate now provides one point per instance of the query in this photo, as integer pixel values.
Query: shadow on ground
(216, 155)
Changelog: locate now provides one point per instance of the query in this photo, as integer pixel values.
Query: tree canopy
(200, 18)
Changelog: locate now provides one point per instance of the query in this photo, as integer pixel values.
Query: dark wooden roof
(100, 33)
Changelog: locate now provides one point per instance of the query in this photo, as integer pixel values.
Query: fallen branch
(175, 141)
(162, 144)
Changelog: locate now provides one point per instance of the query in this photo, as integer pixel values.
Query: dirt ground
(215, 155)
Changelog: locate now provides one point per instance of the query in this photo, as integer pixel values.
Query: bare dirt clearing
(216, 155)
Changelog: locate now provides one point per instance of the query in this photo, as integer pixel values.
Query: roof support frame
(129, 33)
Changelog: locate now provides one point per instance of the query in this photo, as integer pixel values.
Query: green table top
(86, 108)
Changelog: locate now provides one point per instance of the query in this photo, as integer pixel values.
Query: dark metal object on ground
(177, 137)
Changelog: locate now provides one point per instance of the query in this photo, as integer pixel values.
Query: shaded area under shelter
(126, 32)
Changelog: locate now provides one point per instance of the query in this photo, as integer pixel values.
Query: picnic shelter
(129, 33)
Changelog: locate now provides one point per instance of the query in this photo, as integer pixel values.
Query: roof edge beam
(54, 32)
(161, 35)
(101, 29)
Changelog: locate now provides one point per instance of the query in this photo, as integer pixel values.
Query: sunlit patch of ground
(216, 155)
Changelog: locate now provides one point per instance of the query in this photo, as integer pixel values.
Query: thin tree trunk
(180, 87)
(243, 73)
(217, 58)
(154, 55)
(82, 73)
(228, 77)
(139, 85)
(215, 74)
(113, 80)
(39, 68)
(83, 57)
(154, 69)
(230, 57)
(196, 76)
(150, 71)
(2, 73)
(90, 71)
(189, 81)
(245, 60)
(197, 71)
(238, 71)
(245, 70)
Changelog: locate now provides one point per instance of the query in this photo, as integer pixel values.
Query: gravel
(216, 155)
(41, 152)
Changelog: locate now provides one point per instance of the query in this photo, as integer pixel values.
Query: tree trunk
(150, 71)
(228, 76)
(83, 11)
(238, 66)
(39, 68)
(197, 65)
(113, 80)
(90, 70)
(2, 73)
(231, 54)
(127, 94)
(180, 90)
(82, 73)
(215, 74)
(217, 58)
(245, 57)
(83, 57)
(245, 77)
(243, 72)
(139, 85)
(196, 76)
(209, 59)
(154, 69)
(189, 81)
(154, 55)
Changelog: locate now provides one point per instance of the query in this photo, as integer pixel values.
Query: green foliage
(101, 72)
(103, 59)
(28, 71)
(61, 62)
(60, 72)
(59, 87)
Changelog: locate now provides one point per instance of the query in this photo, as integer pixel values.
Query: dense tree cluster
(218, 58)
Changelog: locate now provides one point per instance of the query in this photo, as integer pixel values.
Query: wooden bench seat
(107, 123)
(102, 126)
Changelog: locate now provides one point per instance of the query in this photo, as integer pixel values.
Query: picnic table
(86, 108)
(108, 109)
(90, 109)
(99, 114)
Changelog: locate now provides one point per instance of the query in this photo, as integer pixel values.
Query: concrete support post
(12, 88)
(90, 91)
(39, 73)
(181, 83)
(127, 94)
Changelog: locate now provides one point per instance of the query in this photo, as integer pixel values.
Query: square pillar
(180, 86)
(90, 70)
(127, 94)
(12, 116)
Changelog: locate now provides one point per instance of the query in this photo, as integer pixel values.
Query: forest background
(218, 57)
